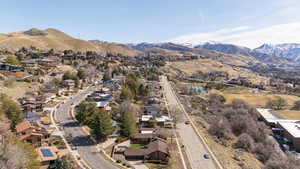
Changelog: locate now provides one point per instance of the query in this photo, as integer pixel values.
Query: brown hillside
(210, 65)
(55, 39)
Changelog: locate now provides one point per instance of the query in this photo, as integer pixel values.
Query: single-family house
(153, 110)
(48, 154)
(156, 151)
(69, 84)
(32, 134)
(147, 135)
(29, 63)
(103, 105)
(150, 120)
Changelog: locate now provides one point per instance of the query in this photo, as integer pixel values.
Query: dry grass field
(18, 89)
(255, 99)
(290, 114)
(210, 65)
(260, 100)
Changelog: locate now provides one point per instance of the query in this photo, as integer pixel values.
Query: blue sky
(242, 22)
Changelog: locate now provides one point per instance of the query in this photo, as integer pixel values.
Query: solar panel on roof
(46, 153)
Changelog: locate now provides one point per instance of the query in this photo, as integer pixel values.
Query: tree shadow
(83, 141)
(71, 124)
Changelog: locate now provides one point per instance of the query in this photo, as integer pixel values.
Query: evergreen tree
(68, 75)
(85, 111)
(61, 163)
(101, 125)
(106, 76)
(128, 124)
(126, 94)
(81, 74)
(143, 91)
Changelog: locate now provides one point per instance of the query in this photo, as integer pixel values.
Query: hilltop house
(69, 84)
(32, 134)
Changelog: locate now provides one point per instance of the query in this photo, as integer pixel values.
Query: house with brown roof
(32, 134)
(156, 151)
(47, 154)
(32, 103)
(24, 128)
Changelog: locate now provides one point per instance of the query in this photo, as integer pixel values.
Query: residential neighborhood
(150, 84)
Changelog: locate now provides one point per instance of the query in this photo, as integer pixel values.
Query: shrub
(239, 124)
(221, 130)
(278, 104)
(216, 99)
(296, 105)
(119, 161)
(263, 152)
(245, 142)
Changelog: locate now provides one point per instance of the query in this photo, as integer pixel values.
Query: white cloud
(245, 36)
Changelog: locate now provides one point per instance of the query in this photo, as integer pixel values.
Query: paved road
(85, 145)
(194, 147)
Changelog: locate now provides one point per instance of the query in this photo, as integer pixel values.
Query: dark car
(187, 122)
(206, 156)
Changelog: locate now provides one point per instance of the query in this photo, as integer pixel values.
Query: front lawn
(136, 146)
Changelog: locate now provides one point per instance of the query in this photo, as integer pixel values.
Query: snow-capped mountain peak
(289, 51)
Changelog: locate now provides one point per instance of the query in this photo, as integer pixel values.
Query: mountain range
(266, 52)
(290, 51)
(57, 40)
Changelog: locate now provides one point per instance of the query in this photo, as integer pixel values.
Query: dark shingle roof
(158, 145)
(135, 152)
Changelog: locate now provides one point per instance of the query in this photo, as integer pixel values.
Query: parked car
(73, 147)
(206, 156)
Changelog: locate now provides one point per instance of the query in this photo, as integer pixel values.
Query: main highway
(194, 147)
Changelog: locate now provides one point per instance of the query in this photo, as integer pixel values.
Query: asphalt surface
(193, 146)
(85, 146)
